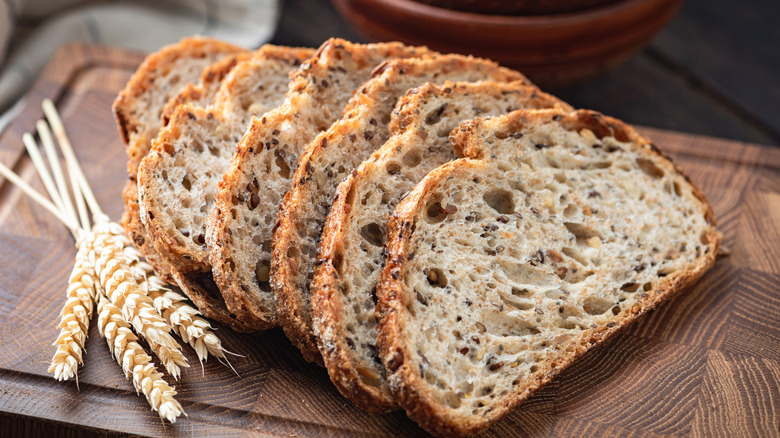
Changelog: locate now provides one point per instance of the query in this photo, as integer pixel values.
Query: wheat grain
(75, 315)
(177, 312)
(135, 363)
(122, 289)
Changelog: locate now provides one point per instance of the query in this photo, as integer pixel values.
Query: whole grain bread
(240, 228)
(330, 157)
(503, 269)
(138, 109)
(351, 249)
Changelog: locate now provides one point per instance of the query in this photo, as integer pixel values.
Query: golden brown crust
(267, 135)
(406, 382)
(310, 195)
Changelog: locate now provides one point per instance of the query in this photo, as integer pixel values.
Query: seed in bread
(502, 270)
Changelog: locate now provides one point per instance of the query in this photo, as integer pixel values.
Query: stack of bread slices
(435, 230)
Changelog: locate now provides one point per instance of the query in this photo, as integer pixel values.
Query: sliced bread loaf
(330, 157)
(138, 109)
(502, 270)
(240, 228)
(351, 250)
(179, 177)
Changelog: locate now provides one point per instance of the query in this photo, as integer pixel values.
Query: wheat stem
(135, 362)
(75, 315)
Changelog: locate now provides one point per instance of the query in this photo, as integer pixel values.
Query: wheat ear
(75, 315)
(173, 306)
(135, 362)
(121, 288)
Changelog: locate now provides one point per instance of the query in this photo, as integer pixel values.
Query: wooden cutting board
(705, 363)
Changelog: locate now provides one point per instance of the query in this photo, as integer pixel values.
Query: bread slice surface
(351, 249)
(505, 268)
(240, 228)
(330, 157)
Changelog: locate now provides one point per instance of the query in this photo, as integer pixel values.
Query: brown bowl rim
(471, 18)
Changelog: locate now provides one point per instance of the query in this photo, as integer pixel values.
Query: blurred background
(694, 66)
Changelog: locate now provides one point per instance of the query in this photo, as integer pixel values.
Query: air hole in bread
(435, 277)
(435, 115)
(704, 238)
(677, 189)
(596, 306)
(412, 158)
(616, 310)
(197, 146)
(292, 252)
(576, 254)
(500, 201)
(374, 234)
(522, 293)
(570, 211)
(649, 168)
(263, 275)
(165, 174)
(583, 234)
(534, 368)
(434, 212)
(393, 168)
(647, 287)
(452, 399)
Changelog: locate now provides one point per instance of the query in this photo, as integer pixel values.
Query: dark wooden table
(715, 70)
(706, 363)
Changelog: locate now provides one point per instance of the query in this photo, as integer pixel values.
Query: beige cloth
(32, 30)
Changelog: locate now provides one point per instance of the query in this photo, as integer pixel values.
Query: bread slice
(179, 177)
(351, 249)
(330, 158)
(241, 226)
(502, 270)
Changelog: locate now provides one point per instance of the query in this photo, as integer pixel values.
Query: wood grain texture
(706, 363)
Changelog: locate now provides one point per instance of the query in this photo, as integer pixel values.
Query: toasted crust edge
(406, 384)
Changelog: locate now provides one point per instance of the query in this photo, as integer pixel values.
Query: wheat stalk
(75, 315)
(121, 288)
(173, 306)
(135, 363)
